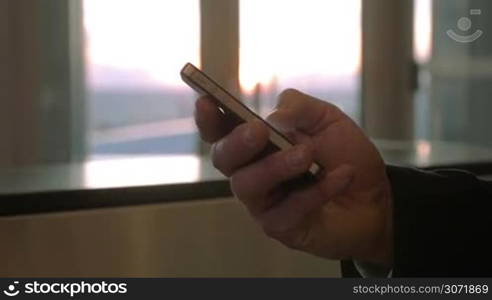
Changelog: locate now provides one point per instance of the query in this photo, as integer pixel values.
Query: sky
(152, 39)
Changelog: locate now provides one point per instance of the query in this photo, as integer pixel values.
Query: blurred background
(105, 82)
(94, 86)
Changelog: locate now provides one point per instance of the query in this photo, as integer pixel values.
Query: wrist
(386, 240)
(379, 248)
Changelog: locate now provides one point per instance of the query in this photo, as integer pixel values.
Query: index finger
(211, 122)
(299, 111)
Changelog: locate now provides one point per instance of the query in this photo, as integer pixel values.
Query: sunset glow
(152, 37)
(280, 39)
(423, 30)
(294, 38)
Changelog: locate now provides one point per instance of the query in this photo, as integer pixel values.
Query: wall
(205, 238)
(19, 82)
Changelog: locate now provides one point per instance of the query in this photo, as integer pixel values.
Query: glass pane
(456, 81)
(135, 50)
(311, 45)
(422, 54)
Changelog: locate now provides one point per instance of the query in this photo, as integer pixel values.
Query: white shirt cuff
(369, 270)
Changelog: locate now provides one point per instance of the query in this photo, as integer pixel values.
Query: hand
(346, 214)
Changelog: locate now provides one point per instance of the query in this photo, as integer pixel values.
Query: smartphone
(229, 104)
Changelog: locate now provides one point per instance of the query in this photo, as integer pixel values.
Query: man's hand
(346, 214)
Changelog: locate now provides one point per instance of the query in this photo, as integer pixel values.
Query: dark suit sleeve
(442, 223)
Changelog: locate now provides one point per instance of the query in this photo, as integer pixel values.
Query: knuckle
(288, 96)
(334, 109)
(217, 158)
(272, 225)
(294, 243)
(268, 231)
(290, 92)
(237, 185)
(272, 165)
(295, 240)
(269, 226)
(289, 238)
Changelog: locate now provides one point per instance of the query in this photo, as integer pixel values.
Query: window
(131, 51)
(314, 46)
(422, 26)
(453, 100)
(135, 50)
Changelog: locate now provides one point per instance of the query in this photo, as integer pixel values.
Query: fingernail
(249, 137)
(297, 158)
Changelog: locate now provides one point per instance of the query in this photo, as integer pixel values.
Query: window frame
(388, 69)
(42, 82)
(219, 46)
(19, 58)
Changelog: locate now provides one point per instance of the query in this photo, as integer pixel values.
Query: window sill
(123, 181)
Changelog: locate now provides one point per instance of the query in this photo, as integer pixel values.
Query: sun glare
(285, 39)
(279, 39)
(423, 30)
(152, 37)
